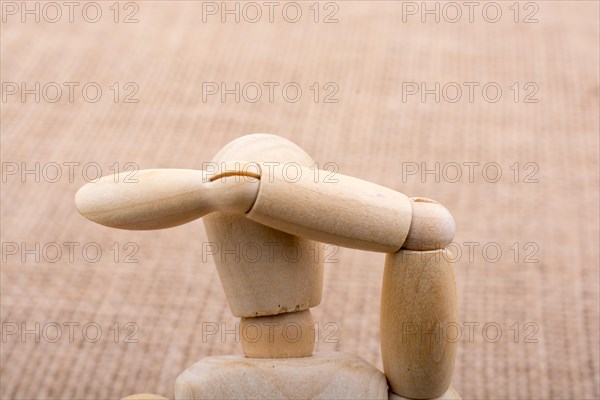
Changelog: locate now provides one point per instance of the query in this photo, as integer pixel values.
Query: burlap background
(371, 133)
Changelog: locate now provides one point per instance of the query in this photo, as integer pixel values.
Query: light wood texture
(162, 198)
(450, 394)
(264, 271)
(144, 396)
(336, 209)
(274, 272)
(321, 376)
(418, 310)
(291, 197)
(285, 335)
(432, 226)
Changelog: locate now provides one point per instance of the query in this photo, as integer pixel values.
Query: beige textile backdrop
(529, 314)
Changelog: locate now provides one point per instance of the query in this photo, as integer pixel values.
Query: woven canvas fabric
(384, 96)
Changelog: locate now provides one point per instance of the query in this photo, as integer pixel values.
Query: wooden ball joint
(250, 201)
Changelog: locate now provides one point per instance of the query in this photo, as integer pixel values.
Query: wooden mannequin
(251, 198)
